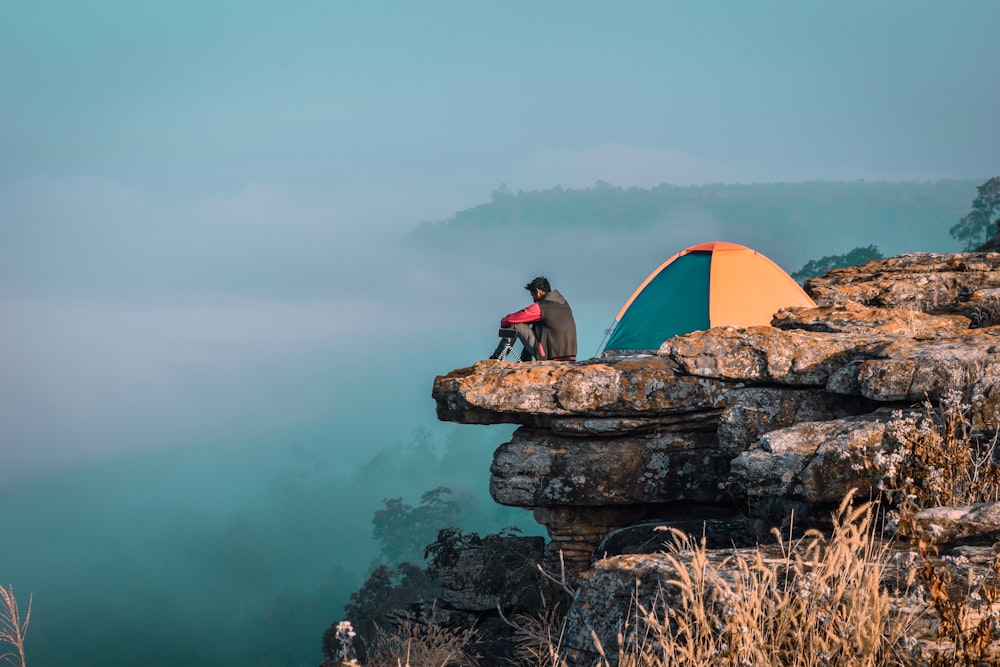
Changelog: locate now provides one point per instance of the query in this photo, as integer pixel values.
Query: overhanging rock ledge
(732, 423)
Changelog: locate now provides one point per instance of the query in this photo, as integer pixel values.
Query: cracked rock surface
(756, 421)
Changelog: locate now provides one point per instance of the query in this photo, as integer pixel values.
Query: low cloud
(262, 205)
(68, 200)
(618, 164)
(83, 379)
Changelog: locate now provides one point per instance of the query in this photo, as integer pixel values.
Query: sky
(201, 202)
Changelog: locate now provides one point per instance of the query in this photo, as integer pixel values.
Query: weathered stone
(982, 308)
(818, 462)
(878, 368)
(754, 411)
(496, 392)
(945, 525)
(614, 426)
(983, 396)
(574, 532)
(608, 595)
(492, 574)
(850, 317)
(490, 392)
(915, 370)
(722, 532)
(541, 469)
(917, 281)
(605, 611)
(768, 355)
(624, 437)
(980, 555)
(588, 388)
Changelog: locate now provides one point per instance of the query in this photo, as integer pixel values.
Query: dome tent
(707, 285)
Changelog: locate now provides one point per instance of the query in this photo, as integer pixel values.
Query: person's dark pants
(529, 340)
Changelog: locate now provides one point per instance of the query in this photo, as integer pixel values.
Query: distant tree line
(979, 229)
(818, 267)
(763, 206)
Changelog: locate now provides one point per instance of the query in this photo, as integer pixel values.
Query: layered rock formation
(745, 424)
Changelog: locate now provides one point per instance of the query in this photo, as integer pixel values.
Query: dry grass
(421, 643)
(820, 600)
(539, 638)
(821, 603)
(12, 628)
(986, 313)
(967, 608)
(935, 458)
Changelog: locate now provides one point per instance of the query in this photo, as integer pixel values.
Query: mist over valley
(238, 241)
(239, 490)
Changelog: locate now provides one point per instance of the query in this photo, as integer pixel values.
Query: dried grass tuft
(538, 638)
(821, 603)
(421, 643)
(13, 630)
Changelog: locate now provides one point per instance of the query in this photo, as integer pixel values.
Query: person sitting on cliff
(546, 328)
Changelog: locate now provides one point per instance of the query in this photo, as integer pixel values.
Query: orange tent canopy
(706, 285)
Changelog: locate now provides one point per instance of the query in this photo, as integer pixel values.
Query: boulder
(817, 462)
(851, 317)
(541, 469)
(767, 355)
(736, 429)
(946, 525)
(925, 282)
(495, 572)
(537, 393)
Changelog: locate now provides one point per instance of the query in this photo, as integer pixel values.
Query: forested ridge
(819, 216)
(772, 204)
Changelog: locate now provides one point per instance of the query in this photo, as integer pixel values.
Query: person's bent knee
(529, 342)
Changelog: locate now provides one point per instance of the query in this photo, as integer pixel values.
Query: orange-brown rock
(758, 419)
(496, 392)
(740, 425)
(764, 354)
(923, 282)
(818, 462)
(876, 366)
(543, 469)
(850, 317)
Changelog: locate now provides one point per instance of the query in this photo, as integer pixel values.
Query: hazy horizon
(204, 206)
(211, 193)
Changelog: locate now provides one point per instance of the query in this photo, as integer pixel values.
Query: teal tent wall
(676, 301)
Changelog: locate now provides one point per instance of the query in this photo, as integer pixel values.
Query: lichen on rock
(753, 423)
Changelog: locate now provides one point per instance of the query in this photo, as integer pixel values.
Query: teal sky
(192, 194)
(445, 100)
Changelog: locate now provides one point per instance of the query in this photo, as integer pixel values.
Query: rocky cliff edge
(737, 429)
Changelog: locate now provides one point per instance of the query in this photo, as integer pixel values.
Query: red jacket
(532, 313)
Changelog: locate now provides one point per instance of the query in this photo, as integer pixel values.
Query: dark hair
(541, 282)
